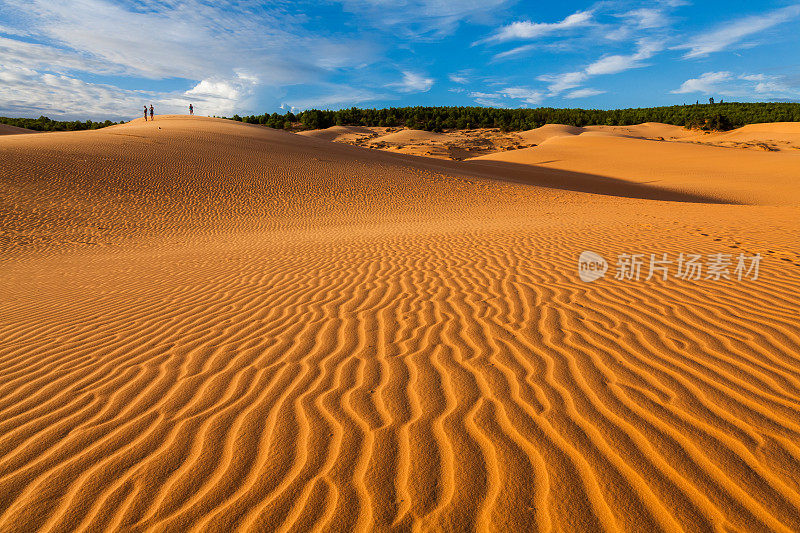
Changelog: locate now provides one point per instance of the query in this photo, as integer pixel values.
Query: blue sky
(106, 58)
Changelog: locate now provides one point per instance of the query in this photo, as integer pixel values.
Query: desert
(216, 326)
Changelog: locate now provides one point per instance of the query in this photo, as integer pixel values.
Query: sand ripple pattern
(429, 376)
(427, 383)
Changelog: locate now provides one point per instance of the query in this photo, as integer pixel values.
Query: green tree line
(46, 124)
(721, 116)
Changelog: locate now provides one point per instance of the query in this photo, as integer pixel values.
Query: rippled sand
(210, 326)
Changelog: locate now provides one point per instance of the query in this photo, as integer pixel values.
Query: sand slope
(548, 131)
(406, 136)
(339, 133)
(468, 144)
(646, 130)
(212, 326)
(778, 136)
(6, 129)
(743, 176)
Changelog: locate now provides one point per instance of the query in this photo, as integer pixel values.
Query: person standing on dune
(191, 109)
(145, 113)
(151, 111)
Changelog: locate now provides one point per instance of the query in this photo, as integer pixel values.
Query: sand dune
(213, 326)
(406, 136)
(779, 136)
(469, 144)
(549, 131)
(646, 130)
(6, 129)
(339, 133)
(744, 176)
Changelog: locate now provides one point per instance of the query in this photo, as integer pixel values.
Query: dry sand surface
(340, 133)
(468, 144)
(6, 129)
(212, 326)
(780, 136)
(456, 145)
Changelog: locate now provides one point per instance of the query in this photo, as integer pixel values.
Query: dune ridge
(277, 333)
(7, 129)
(468, 144)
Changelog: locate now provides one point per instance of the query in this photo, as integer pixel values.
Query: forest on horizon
(709, 117)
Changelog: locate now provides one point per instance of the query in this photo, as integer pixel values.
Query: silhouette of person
(191, 109)
(145, 113)
(151, 111)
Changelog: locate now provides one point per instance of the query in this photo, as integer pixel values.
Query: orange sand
(468, 144)
(213, 326)
(6, 129)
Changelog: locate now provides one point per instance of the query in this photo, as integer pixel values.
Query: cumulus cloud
(215, 96)
(209, 44)
(733, 32)
(65, 96)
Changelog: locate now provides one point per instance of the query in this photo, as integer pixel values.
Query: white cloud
(13, 31)
(733, 32)
(613, 64)
(638, 20)
(524, 96)
(725, 83)
(533, 30)
(529, 96)
(647, 17)
(617, 63)
(42, 57)
(583, 93)
(558, 83)
(210, 44)
(332, 96)
(413, 83)
(191, 39)
(514, 52)
(487, 99)
(216, 96)
(707, 83)
(62, 96)
(421, 19)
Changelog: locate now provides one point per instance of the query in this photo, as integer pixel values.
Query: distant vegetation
(46, 124)
(721, 116)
